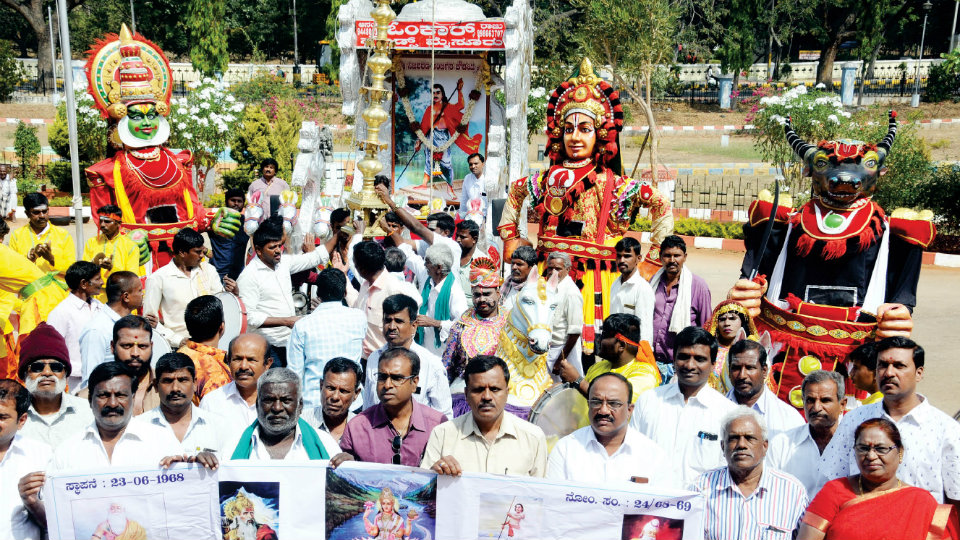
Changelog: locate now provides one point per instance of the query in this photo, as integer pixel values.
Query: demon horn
(799, 146)
(883, 148)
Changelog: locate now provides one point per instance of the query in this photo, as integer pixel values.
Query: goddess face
(579, 136)
(144, 120)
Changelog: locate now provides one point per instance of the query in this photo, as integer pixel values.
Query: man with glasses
(54, 415)
(395, 430)
(609, 449)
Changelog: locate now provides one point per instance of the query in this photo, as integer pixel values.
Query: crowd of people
(396, 363)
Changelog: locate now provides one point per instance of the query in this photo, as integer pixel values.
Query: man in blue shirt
(229, 254)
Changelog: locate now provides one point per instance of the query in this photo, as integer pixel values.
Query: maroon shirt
(369, 435)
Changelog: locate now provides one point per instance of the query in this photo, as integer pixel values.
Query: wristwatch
(579, 381)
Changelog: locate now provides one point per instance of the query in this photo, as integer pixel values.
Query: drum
(234, 318)
(560, 411)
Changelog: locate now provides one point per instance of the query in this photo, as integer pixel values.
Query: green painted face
(144, 121)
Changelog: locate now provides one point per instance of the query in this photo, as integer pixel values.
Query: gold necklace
(860, 484)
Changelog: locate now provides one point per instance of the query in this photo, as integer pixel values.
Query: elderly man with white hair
(567, 319)
(442, 301)
(279, 432)
(746, 500)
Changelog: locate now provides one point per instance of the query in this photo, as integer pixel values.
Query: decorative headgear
(844, 149)
(43, 342)
(485, 272)
(125, 70)
(588, 94)
(726, 307)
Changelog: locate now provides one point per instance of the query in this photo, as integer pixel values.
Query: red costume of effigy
(841, 272)
(583, 202)
(130, 81)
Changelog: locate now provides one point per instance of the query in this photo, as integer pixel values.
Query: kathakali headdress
(588, 94)
(125, 70)
(485, 272)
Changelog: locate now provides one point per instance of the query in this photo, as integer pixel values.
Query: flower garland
(483, 76)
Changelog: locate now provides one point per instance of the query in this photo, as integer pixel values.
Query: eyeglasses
(397, 379)
(397, 441)
(38, 367)
(864, 449)
(597, 403)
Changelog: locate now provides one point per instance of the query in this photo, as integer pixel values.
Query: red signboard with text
(479, 35)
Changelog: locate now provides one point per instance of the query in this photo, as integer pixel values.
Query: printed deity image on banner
(380, 504)
(250, 510)
(458, 102)
(126, 518)
(505, 517)
(650, 527)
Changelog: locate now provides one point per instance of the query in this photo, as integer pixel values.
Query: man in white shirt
(124, 296)
(441, 301)
(248, 359)
(279, 432)
(568, 318)
(331, 331)
(112, 439)
(797, 451)
(196, 429)
(76, 310)
(467, 236)
(171, 287)
(340, 387)
(399, 329)
(523, 261)
(609, 450)
(378, 284)
(473, 187)
(630, 293)
(438, 230)
(932, 438)
(683, 417)
(54, 415)
(8, 194)
(22, 462)
(747, 362)
(265, 285)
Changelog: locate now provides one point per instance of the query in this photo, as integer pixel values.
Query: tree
(609, 34)
(10, 72)
(205, 19)
(740, 39)
(27, 146)
(35, 13)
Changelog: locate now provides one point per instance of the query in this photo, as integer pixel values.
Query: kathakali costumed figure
(841, 272)
(583, 201)
(131, 83)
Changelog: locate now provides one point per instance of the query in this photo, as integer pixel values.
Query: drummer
(621, 351)
(609, 449)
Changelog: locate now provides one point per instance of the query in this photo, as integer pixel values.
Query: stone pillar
(848, 82)
(724, 88)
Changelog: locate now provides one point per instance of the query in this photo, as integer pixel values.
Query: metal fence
(716, 192)
(706, 93)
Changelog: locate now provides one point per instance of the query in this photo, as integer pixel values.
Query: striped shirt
(772, 511)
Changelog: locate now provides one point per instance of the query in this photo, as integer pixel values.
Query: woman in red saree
(875, 505)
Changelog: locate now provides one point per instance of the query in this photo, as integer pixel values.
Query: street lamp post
(65, 53)
(953, 29)
(915, 100)
(296, 51)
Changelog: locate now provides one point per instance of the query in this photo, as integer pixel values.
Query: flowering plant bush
(202, 122)
(816, 115)
(91, 130)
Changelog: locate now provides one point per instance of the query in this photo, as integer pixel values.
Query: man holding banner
(488, 439)
(279, 432)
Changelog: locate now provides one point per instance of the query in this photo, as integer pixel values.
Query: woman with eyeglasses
(875, 504)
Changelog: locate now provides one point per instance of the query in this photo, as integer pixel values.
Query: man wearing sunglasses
(395, 430)
(609, 450)
(54, 414)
